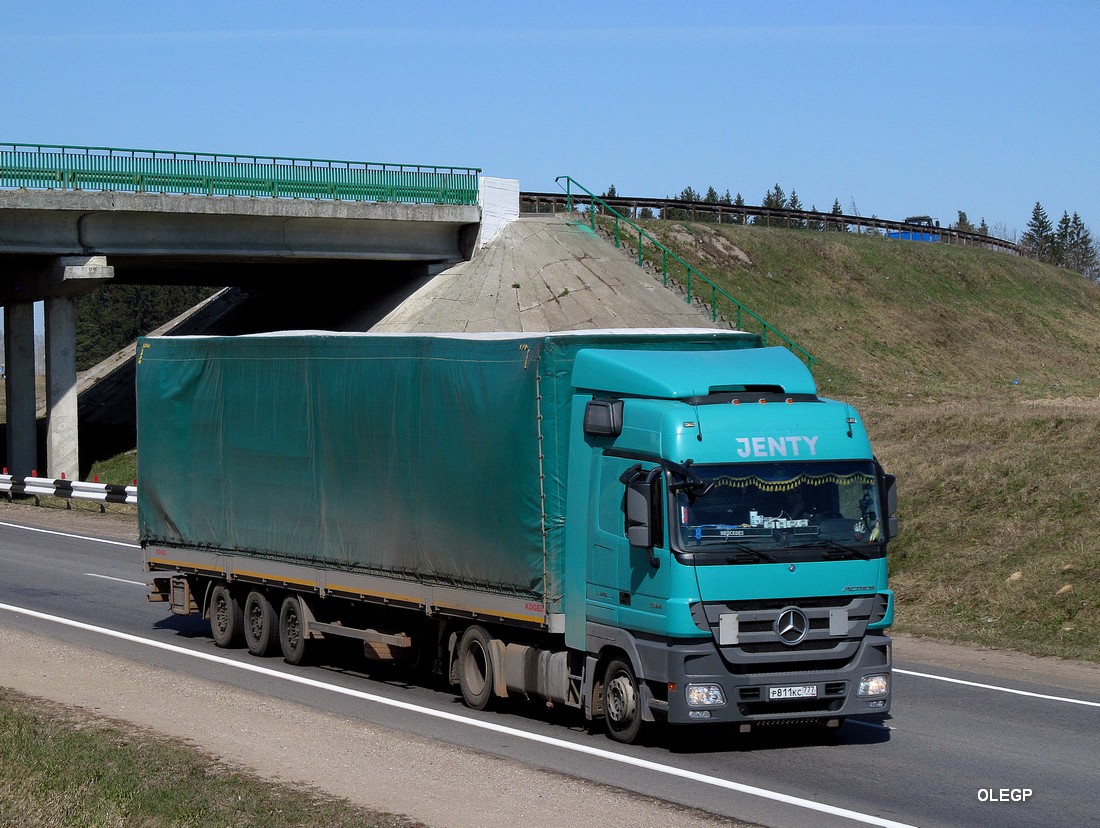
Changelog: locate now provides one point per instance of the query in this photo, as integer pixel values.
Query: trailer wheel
(293, 639)
(226, 617)
(475, 667)
(622, 702)
(260, 623)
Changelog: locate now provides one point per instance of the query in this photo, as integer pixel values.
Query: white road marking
(120, 580)
(600, 753)
(995, 687)
(70, 535)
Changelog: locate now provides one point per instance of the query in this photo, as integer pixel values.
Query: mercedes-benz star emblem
(791, 626)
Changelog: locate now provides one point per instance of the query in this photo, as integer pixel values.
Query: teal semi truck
(645, 525)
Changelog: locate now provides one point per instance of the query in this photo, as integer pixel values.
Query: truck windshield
(770, 512)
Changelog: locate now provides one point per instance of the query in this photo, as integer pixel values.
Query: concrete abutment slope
(542, 273)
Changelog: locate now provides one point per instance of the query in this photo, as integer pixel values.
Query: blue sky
(895, 108)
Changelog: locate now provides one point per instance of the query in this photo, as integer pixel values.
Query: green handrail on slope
(692, 274)
(54, 166)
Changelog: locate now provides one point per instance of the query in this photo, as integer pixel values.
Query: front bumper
(815, 692)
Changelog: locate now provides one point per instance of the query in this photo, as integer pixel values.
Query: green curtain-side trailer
(469, 503)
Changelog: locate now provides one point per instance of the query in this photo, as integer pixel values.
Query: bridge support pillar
(62, 437)
(22, 438)
(69, 277)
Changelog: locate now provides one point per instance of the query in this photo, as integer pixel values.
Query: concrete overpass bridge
(72, 218)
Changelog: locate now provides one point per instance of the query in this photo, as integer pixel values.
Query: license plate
(803, 691)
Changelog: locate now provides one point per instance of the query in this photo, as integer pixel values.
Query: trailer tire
(293, 638)
(622, 701)
(226, 617)
(260, 624)
(475, 667)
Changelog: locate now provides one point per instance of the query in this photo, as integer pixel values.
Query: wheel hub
(622, 702)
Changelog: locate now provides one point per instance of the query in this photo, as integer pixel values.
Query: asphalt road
(952, 753)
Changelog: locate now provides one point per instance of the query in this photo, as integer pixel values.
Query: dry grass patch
(1000, 502)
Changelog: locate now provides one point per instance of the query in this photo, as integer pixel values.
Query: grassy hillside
(978, 374)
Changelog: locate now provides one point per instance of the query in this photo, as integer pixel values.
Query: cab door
(628, 585)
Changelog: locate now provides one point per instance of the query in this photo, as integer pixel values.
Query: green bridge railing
(663, 257)
(48, 166)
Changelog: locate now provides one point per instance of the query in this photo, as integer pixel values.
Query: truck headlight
(878, 685)
(705, 695)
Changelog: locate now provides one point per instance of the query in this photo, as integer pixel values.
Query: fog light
(704, 695)
(874, 685)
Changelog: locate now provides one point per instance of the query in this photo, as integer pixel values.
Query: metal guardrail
(52, 166)
(103, 493)
(661, 257)
(773, 217)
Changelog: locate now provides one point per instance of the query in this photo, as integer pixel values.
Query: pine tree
(687, 194)
(1063, 243)
(711, 198)
(725, 216)
(837, 224)
(613, 193)
(739, 202)
(1038, 240)
(963, 223)
(1082, 255)
(794, 204)
(775, 199)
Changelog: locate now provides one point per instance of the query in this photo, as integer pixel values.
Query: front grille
(780, 647)
(747, 638)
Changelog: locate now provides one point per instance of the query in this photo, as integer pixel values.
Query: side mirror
(890, 483)
(642, 508)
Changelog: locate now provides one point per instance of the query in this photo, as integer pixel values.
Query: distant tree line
(1069, 244)
(774, 199)
(112, 317)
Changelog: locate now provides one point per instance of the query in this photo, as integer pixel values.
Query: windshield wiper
(845, 551)
(747, 554)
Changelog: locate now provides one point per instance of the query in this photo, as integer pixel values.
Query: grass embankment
(60, 768)
(978, 375)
